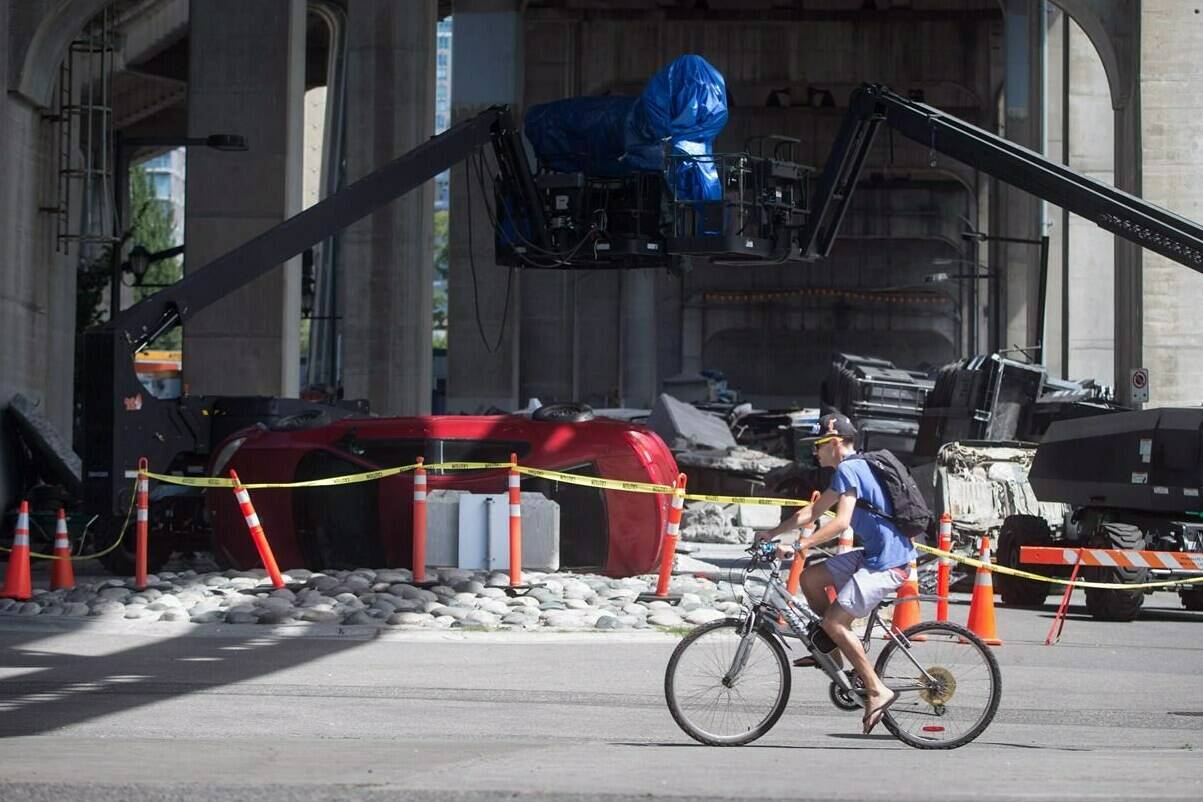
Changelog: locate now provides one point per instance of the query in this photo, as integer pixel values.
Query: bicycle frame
(777, 604)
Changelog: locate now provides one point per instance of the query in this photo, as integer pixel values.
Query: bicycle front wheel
(952, 699)
(720, 706)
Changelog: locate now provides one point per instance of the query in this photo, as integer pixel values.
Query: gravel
(386, 599)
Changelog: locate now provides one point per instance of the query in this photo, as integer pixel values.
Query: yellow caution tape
(557, 476)
(1079, 583)
(777, 502)
(116, 543)
(593, 481)
(217, 481)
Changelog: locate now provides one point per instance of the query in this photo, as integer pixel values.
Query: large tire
(1117, 605)
(1018, 531)
(1192, 600)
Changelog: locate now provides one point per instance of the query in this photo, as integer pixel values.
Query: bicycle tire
(688, 720)
(905, 713)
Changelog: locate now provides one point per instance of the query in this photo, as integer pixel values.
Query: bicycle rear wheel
(729, 713)
(957, 703)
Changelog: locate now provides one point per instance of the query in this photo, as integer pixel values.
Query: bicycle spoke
(734, 713)
(957, 688)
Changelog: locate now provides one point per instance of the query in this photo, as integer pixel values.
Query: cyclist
(862, 578)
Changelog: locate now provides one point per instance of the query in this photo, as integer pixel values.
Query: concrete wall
(37, 285)
(1171, 74)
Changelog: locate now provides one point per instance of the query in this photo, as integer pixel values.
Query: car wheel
(563, 413)
(1018, 531)
(1117, 605)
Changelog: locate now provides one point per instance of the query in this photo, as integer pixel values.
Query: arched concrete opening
(44, 53)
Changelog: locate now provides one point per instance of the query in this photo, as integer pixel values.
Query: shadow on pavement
(66, 689)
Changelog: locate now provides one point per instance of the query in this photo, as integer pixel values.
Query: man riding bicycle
(862, 578)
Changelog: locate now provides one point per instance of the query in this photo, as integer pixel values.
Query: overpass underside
(327, 91)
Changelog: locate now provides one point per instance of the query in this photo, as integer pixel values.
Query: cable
(561, 258)
(480, 327)
(77, 557)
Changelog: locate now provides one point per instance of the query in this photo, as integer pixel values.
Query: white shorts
(858, 589)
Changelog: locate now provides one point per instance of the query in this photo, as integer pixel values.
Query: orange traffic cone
(845, 542)
(795, 569)
(906, 613)
(62, 575)
(16, 580)
(981, 609)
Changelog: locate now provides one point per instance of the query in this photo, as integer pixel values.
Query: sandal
(873, 717)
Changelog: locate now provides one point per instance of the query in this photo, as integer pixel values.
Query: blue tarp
(684, 104)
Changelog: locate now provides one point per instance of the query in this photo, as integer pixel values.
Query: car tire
(1116, 605)
(1018, 531)
(1192, 600)
(563, 413)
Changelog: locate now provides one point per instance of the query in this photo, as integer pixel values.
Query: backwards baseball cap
(836, 426)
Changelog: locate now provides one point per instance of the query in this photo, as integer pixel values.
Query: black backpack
(911, 515)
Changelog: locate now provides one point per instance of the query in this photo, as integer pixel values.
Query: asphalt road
(114, 711)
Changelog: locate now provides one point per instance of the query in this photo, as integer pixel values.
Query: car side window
(389, 453)
(479, 450)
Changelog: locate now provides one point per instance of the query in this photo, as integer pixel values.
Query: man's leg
(838, 623)
(815, 580)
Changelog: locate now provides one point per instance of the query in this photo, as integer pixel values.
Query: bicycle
(728, 681)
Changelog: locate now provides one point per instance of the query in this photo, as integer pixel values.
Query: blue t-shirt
(885, 546)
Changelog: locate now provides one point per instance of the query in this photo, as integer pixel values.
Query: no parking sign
(1138, 382)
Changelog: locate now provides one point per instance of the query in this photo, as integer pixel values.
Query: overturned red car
(369, 524)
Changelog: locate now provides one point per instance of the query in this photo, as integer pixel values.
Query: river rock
(703, 615)
(665, 619)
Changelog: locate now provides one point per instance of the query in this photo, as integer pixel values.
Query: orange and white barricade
(419, 524)
(257, 533)
(16, 579)
(62, 573)
(515, 491)
(142, 526)
(944, 569)
(981, 608)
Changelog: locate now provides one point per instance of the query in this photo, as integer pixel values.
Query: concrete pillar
(37, 285)
(1171, 38)
(1091, 249)
(1057, 119)
(483, 299)
(638, 357)
(387, 272)
(246, 76)
(1016, 213)
(1114, 30)
(1078, 242)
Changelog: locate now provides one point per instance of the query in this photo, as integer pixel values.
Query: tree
(442, 263)
(152, 226)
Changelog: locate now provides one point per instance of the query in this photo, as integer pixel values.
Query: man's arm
(832, 529)
(804, 516)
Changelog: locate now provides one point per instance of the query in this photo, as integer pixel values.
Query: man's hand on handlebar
(765, 547)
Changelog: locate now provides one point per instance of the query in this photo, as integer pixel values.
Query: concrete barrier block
(758, 516)
(483, 530)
